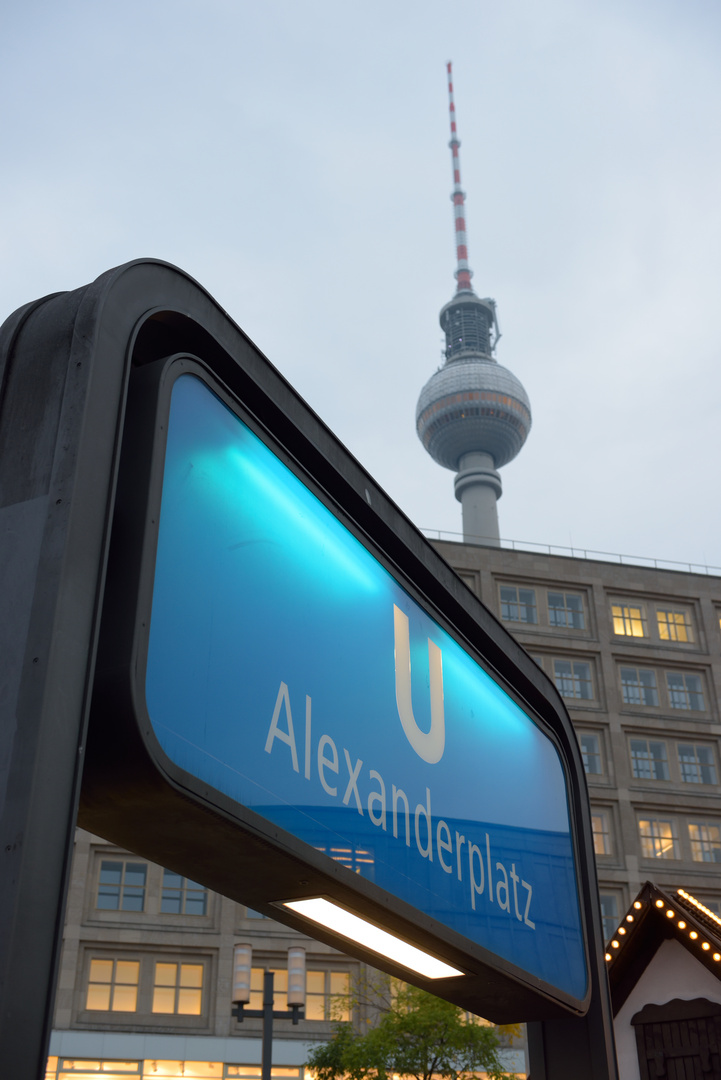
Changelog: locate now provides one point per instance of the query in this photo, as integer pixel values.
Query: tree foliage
(410, 1034)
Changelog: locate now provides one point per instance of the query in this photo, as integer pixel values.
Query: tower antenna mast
(463, 270)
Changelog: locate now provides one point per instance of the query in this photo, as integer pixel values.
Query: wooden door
(680, 1040)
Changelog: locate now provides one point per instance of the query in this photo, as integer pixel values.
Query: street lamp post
(243, 955)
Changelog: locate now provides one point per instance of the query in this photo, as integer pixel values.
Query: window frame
(329, 995)
(643, 689)
(657, 839)
(125, 862)
(689, 694)
(652, 759)
(630, 613)
(180, 989)
(280, 987)
(610, 920)
(113, 984)
(686, 622)
(699, 765)
(143, 1015)
(519, 604)
(703, 844)
(575, 678)
(604, 816)
(582, 734)
(568, 612)
(187, 886)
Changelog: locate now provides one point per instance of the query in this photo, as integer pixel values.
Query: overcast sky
(292, 156)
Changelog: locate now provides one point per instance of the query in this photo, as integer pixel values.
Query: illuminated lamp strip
(354, 928)
(697, 904)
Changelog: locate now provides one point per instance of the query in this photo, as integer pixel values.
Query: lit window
(659, 839)
(518, 605)
(181, 896)
(628, 621)
(327, 995)
(121, 886)
(113, 985)
(280, 988)
(601, 832)
(609, 914)
(573, 679)
(566, 609)
(178, 989)
(697, 764)
(685, 691)
(357, 859)
(674, 626)
(590, 752)
(65, 1068)
(649, 760)
(638, 686)
(705, 841)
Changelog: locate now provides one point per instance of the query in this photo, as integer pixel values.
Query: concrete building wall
(620, 797)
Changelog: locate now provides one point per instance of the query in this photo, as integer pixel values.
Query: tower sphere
(473, 405)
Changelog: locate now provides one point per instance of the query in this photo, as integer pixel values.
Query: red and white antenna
(463, 271)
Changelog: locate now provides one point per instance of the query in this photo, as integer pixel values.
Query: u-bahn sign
(285, 666)
(289, 696)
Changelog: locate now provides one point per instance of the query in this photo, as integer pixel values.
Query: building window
(280, 988)
(469, 580)
(113, 985)
(674, 626)
(659, 839)
(685, 691)
(705, 841)
(573, 679)
(609, 914)
(601, 832)
(628, 621)
(181, 896)
(178, 988)
(121, 886)
(327, 995)
(83, 1069)
(697, 764)
(591, 753)
(649, 760)
(518, 605)
(638, 686)
(566, 609)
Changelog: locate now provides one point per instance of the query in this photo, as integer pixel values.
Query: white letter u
(429, 746)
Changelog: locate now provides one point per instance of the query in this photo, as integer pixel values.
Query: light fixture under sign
(354, 928)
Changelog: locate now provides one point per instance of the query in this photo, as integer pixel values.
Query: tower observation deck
(473, 416)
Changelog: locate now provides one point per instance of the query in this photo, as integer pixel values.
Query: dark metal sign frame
(76, 370)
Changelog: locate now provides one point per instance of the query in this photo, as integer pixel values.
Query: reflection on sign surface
(289, 670)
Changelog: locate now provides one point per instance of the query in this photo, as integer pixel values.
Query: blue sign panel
(290, 671)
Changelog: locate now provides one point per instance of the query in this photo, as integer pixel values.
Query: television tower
(473, 416)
